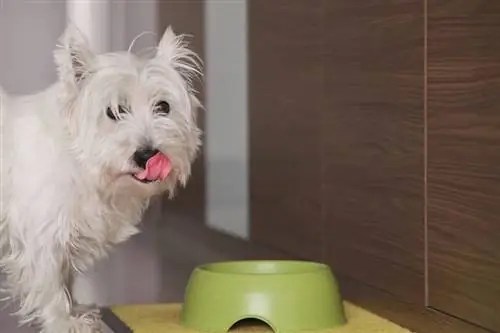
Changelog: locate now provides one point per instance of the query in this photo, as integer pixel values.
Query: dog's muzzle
(141, 156)
(155, 165)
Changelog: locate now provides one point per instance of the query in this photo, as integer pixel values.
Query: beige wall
(28, 34)
(227, 112)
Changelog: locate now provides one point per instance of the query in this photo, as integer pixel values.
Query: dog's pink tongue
(157, 168)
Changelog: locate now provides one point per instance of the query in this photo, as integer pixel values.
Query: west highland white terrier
(80, 162)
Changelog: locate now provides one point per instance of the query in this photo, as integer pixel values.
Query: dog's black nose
(141, 156)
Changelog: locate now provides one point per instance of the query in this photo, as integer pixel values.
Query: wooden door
(373, 132)
(464, 159)
(187, 17)
(286, 99)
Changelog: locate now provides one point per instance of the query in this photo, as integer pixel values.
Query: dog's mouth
(157, 169)
(143, 181)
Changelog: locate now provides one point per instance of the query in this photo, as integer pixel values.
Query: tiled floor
(153, 266)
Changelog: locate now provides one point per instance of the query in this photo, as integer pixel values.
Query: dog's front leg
(38, 278)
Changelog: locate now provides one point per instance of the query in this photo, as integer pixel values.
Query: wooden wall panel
(373, 140)
(286, 98)
(464, 159)
(187, 17)
(338, 151)
(414, 317)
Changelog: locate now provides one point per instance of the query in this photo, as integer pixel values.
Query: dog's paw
(88, 322)
(79, 310)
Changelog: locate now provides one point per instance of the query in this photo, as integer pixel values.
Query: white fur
(67, 194)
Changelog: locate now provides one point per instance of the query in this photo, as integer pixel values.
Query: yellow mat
(165, 318)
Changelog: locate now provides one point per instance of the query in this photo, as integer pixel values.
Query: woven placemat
(157, 318)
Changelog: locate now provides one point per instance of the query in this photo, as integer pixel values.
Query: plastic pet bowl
(288, 296)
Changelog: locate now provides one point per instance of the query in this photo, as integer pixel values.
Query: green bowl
(288, 296)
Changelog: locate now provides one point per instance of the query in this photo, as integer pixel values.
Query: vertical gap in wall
(248, 229)
(203, 115)
(324, 228)
(425, 94)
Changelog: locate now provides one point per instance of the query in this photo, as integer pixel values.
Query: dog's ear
(168, 44)
(74, 56)
(174, 50)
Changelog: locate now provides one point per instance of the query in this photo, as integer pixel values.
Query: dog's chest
(99, 224)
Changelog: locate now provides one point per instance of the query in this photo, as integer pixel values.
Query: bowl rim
(310, 267)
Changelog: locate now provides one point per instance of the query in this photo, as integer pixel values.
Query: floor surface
(153, 266)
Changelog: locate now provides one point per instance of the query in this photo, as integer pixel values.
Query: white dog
(80, 162)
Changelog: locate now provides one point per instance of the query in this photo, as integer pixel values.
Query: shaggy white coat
(67, 194)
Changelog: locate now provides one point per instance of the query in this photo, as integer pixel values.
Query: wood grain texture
(373, 140)
(409, 315)
(464, 159)
(186, 17)
(286, 96)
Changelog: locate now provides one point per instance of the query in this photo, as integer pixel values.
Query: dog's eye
(162, 108)
(112, 115)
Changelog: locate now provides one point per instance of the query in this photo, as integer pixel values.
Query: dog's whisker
(137, 38)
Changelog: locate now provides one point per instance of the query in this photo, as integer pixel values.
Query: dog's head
(131, 118)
